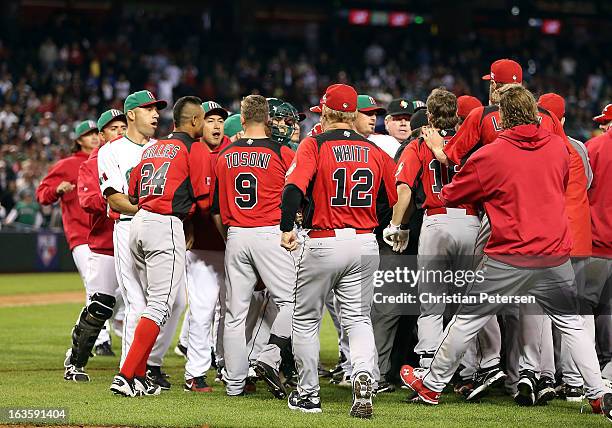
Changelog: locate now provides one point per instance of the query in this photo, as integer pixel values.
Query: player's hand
(64, 187)
(289, 240)
(396, 238)
(432, 138)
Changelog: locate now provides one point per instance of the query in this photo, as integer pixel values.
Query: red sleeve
(200, 173)
(466, 137)
(465, 187)
(304, 164)
(88, 188)
(134, 185)
(409, 165)
(46, 194)
(287, 155)
(388, 178)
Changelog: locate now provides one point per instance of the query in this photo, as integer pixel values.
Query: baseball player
(599, 272)
(101, 282)
(481, 127)
(250, 176)
(340, 172)
(537, 351)
(205, 271)
(527, 254)
(448, 234)
(60, 184)
(115, 161)
(172, 177)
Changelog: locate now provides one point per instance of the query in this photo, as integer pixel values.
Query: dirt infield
(41, 299)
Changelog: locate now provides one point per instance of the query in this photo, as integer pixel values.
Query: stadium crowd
(55, 79)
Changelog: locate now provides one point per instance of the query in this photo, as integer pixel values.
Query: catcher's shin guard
(91, 321)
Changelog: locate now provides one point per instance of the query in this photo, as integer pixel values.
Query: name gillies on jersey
(161, 151)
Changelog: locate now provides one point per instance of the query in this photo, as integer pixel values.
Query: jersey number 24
(153, 180)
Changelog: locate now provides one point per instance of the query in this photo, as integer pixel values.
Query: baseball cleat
(573, 393)
(104, 350)
(219, 376)
(250, 385)
(158, 377)
(384, 386)
(484, 380)
(526, 387)
(144, 386)
(606, 405)
(323, 372)
(545, 390)
(304, 404)
(464, 387)
(197, 384)
(362, 396)
(181, 350)
(122, 386)
(76, 374)
(413, 379)
(272, 379)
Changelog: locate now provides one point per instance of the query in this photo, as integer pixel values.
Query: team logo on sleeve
(290, 170)
(399, 169)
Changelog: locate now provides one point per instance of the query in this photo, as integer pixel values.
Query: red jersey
(418, 166)
(173, 175)
(74, 218)
(250, 179)
(206, 236)
(100, 238)
(340, 173)
(483, 125)
(521, 179)
(600, 194)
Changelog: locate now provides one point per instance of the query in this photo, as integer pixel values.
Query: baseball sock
(144, 338)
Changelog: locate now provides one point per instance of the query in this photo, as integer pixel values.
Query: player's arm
(134, 184)
(111, 181)
(215, 212)
(53, 186)
(465, 188)
(298, 177)
(88, 190)
(200, 173)
(406, 177)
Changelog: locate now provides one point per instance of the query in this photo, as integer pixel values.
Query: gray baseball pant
(157, 243)
(250, 254)
(345, 263)
(553, 288)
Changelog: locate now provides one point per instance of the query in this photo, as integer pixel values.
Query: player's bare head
(188, 116)
(442, 109)
(517, 106)
(331, 117)
(254, 111)
(113, 129)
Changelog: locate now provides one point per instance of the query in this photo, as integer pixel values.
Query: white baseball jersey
(386, 142)
(115, 163)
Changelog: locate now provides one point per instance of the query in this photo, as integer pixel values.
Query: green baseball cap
(108, 116)
(232, 125)
(85, 127)
(366, 103)
(142, 99)
(211, 107)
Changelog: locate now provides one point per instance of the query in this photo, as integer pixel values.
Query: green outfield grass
(33, 341)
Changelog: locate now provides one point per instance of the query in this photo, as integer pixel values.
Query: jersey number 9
(246, 187)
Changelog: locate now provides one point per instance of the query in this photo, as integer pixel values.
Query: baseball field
(37, 312)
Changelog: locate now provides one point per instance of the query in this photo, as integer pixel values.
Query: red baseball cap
(505, 71)
(605, 116)
(340, 97)
(316, 109)
(553, 103)
(465, 104)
